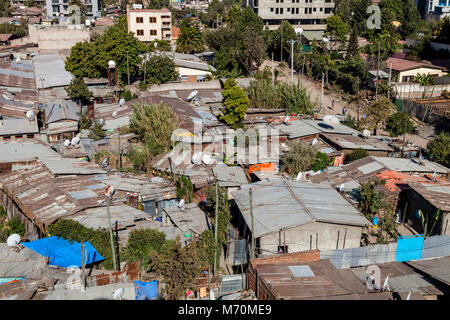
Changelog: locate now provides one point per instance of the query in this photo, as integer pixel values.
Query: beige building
(150, 24)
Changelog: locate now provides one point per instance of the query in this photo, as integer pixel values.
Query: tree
(387, 42)
(179, 267)
(399, 124)
(190, 40)
(278, 41)
(159, 45)
(321, 161)
(353, 46)
(371, 201)
(438, 149)
(424, 80)
(443, 30)
(337, 30)
(153, 125)
(411, 20)
(158, 69)
(138, 157)
(185, 189)
(378, 113)
(5, 8)
(78, 90)
(235, 103)
(357, 154)
(96, 131)
(299, 158)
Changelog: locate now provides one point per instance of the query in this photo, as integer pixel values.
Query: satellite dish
(121, 102)
(30, 114)
(206, 159)
(117, 295)
(18, 60)
(13, 240)
(105, 162)
(197, 158)
(299, 176)
(386, 284)
(286, 120)
(111, 64)
(114, 114)
(101, 121)
(67, 143)
(181, 203)
(341, 187)
(314, 142)
(192, 95)
(366, 133)
(75, 141)
(109, 191)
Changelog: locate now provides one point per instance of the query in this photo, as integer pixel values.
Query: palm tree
(190, 40)
(424, 80)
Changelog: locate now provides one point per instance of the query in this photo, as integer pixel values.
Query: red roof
(403, 65)
(175, 32)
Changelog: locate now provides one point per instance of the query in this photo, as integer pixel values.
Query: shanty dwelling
(348, 143)
(290, 216)
(428, 198)
(61, 120)
(12, 129)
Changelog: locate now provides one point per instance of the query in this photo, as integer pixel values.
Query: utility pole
(359, 102)
(119, 156)
(128, 69)
(83, 281)
(216, 226)
(404, 136)
(378, 70)
(281, 43)
(321, 94)
(292, 60)
(111, 234)
(389, 85)
(252, 253)
(273, 75)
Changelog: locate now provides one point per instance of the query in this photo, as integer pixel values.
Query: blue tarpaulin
(62, 253)
(409, 248)
(146, 290)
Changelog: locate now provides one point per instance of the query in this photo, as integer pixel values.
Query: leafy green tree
(143, 241)
(438, 149)
(81, 61)
(185, 189)
(159, 69)
(17, 31)
(321, 161)
(443, 30)
(353, 47)
(411, 20)
(96, 131)
(357, 154)
(153, 125)
(299, 158)
(78, 90)
(5, 8)
(278, 41)
(190, 40)
(138, 158)
(337, 30)
(127, 95)
(235, 103)
(399, 124)
(378, 113)
(387, 42)
(84, 123)
(371, 200)
(179, 267)
(159, 45)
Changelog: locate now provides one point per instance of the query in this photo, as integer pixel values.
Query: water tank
(111, 64)
(87, 23)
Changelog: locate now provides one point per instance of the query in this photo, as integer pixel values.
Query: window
(139, 20)
(288, 9)
(310, 10)
(296, 10)
(314, 9)
(152, 20)
(271, 9)
(277, 1)
(153, 32)
(140, 32)
(276, 11)
(328, 10)
(281, 1)
(306, 10)
(30, 136)
(321, 9)
(281, 10)
(293, 11)
(282, 249)
(183, 78)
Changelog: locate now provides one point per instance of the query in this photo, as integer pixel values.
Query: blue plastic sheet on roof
(62, 253)
(146, 290)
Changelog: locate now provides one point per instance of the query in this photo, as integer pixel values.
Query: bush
(96, 131)
(300, 157)
(16, 226)
(321, 161)
(98, 157)
(185, 189)
(128, 95)
(438, 149)
(138, 158)
(357, 154)
(74, 231)
(2, 211)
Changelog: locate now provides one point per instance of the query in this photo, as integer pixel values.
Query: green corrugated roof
(313, 35)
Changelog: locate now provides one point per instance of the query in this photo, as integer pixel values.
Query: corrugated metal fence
(433, 247)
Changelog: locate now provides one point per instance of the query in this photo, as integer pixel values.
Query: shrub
(16, 226)
(357, 154)
(300, 157)
(128, 95)
(2, 211)
(321, 161)
(185, 189)
(438, 149)
(138, 157)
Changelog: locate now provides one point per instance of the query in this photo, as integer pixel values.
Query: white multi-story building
(307, 14)
(434, 8)
(150, 24)
(58, 8)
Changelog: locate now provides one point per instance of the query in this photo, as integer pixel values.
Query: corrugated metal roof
(297, 129)
(50, 67)
(26, 151)
(347, 141)
(71, 166)
(25, 263)
(437, 195)
(17, 126)
(436, 268)
(57, 111)
(230, 176)
(275, 207)
(190, 219)
(330, 128)
(410, 165)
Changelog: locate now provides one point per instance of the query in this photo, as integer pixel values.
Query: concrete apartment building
(150, 24)
(307, 14)
(436, 9)
(57, 8)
